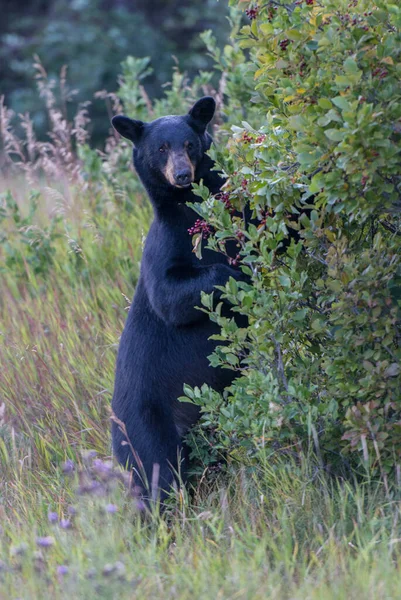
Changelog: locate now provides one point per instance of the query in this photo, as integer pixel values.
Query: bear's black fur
(165, 342)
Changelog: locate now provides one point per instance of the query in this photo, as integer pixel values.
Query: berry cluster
(201, 227)
(265, 213)
(271, 13)
(252, 13)
(244, 183)
(302, 66)
(380, 73)
(284, 43)
(246, 138)
(354, 21)
(225, 198)
(234, 261)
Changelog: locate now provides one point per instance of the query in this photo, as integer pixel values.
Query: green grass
(285, 530)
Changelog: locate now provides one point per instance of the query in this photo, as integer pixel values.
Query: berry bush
(318, 162)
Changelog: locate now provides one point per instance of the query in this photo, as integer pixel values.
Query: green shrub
(321, 357)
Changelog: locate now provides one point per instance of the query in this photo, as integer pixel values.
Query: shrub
(321, 357)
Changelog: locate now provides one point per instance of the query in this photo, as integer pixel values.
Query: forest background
(92, 38)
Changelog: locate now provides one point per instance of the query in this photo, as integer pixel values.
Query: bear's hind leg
(153, 449)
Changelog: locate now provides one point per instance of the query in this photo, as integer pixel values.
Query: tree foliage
(92, 37)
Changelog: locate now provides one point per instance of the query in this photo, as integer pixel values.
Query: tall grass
(70, 526)
(283, 532)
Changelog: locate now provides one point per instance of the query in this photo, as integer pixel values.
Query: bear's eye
(190, 145)
(163, 148)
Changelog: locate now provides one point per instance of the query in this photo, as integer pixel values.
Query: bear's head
(168, 151)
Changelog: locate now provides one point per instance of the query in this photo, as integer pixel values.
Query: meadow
(282, 522)
(70, 526)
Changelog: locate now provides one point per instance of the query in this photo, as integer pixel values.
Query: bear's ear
(202, 113)
(128, 128)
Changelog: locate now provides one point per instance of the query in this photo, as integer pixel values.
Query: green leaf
(342, 103)
(266, 28)
(300, 314)
(335, 135)
(324, 103)
(393, 370)
(188, 391)
(232, 359)
(285, 281)
(294, 34)
(350, 66)
(342, 81)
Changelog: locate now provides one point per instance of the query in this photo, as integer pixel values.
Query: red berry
(284, 43)
(252, 13)
(225, 198)
(201, 227)
(234, 261)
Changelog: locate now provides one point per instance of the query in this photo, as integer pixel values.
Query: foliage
(39, 249)
(321, 357)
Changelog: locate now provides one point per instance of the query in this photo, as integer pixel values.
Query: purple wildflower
(102, 467)
(52, 516)
(68, 466)
(90, 487)
(45, 542)
(62, 570)
(65, 523)
(88, 454)
(111, 508)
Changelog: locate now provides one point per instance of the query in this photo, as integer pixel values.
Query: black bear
(165, 342)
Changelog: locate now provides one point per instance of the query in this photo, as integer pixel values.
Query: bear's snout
(183, 177)
(179, 170)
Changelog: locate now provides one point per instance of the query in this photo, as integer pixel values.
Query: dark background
(92, 37)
